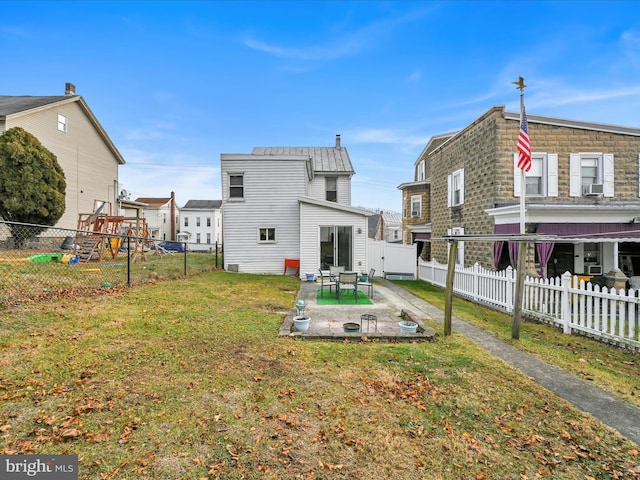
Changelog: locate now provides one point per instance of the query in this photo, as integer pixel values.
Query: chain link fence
(39, 262)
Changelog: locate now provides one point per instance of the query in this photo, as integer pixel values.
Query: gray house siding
(271, 189)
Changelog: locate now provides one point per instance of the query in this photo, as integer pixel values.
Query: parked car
(173, 246)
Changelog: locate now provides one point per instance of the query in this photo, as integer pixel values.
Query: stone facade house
(583, 188)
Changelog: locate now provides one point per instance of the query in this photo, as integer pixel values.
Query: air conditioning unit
(593, 189)
(414, 213)
(594, 270)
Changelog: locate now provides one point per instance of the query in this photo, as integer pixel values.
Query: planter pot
(301, 322)
(351, 327)
(408, 327)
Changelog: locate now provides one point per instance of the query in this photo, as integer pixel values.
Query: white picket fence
(566, 301)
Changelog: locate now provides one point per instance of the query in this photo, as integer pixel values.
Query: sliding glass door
(336, 247)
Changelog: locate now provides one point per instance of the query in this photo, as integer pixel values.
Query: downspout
(381, 225)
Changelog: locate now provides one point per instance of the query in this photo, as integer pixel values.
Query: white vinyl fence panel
(388, 257)
(573, 305)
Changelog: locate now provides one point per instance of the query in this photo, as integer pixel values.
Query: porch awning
(421, 237)
(591, 232)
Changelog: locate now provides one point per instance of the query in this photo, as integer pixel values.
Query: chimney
(338, 141)
(173, 216)
(69, 89)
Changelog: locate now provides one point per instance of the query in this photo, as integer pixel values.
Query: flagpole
(522, 246)
(523, 182)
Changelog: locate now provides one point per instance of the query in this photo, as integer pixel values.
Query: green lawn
(188, 379)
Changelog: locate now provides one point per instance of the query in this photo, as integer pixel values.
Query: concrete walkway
(391, 301)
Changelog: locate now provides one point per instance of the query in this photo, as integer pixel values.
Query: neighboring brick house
(67, 127)
(201, 224)
(584, 187)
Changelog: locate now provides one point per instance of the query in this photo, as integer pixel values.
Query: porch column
(615, 255)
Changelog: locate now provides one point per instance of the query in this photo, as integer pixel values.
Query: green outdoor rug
(347, 298)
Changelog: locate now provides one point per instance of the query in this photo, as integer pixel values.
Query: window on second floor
(541, 180)
(62, 123)
(266, 235)
(186, 221)
(197, 221)
(208, 221)
(420, 172)
(456, 188)
(591, 174)
(236, 186)
(331, 189)
(416, 206)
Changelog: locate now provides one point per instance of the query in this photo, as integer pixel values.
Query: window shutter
(517, 180)
(449, 190)
(574, 175)
(461, 186)
(607, 160)
(552, 175)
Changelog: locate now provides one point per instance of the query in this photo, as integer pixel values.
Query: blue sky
(175, 84)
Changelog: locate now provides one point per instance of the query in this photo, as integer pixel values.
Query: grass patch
(616, 370)
(188, 379)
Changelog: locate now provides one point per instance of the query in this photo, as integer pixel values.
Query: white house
(291, 203)
(161, 215)
(201, 224)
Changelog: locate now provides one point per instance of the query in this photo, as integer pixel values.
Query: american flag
(524, 146)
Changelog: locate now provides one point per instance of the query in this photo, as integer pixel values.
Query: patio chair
(369, 283)
(326, 281)
(348, 281)
(335, 270)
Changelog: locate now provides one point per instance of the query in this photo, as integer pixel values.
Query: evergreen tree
(32, 184)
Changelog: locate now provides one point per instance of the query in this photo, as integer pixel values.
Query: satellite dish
(124, 195)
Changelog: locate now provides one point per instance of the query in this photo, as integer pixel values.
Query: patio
(327, 321)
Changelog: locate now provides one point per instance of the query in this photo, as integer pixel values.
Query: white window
(420, 173)
(416, 206)
(62, 123)
(591, 174)
(197, 238)
(266, 235)
(404, 207)
(460, 256)
(236, 186)
(208, 238)
(197, 221)
(456, 188)
(208, 221)
(331, 188)
(186, 221)
(541, 180)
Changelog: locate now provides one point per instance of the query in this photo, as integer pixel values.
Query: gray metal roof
(324, 159)
(10, 105)
(204, 204)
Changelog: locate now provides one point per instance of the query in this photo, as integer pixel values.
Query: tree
(32, 184)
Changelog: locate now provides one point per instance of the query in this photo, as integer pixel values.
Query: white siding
(317, 188)
(314, 216)
(214, 230)
(271, 191)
